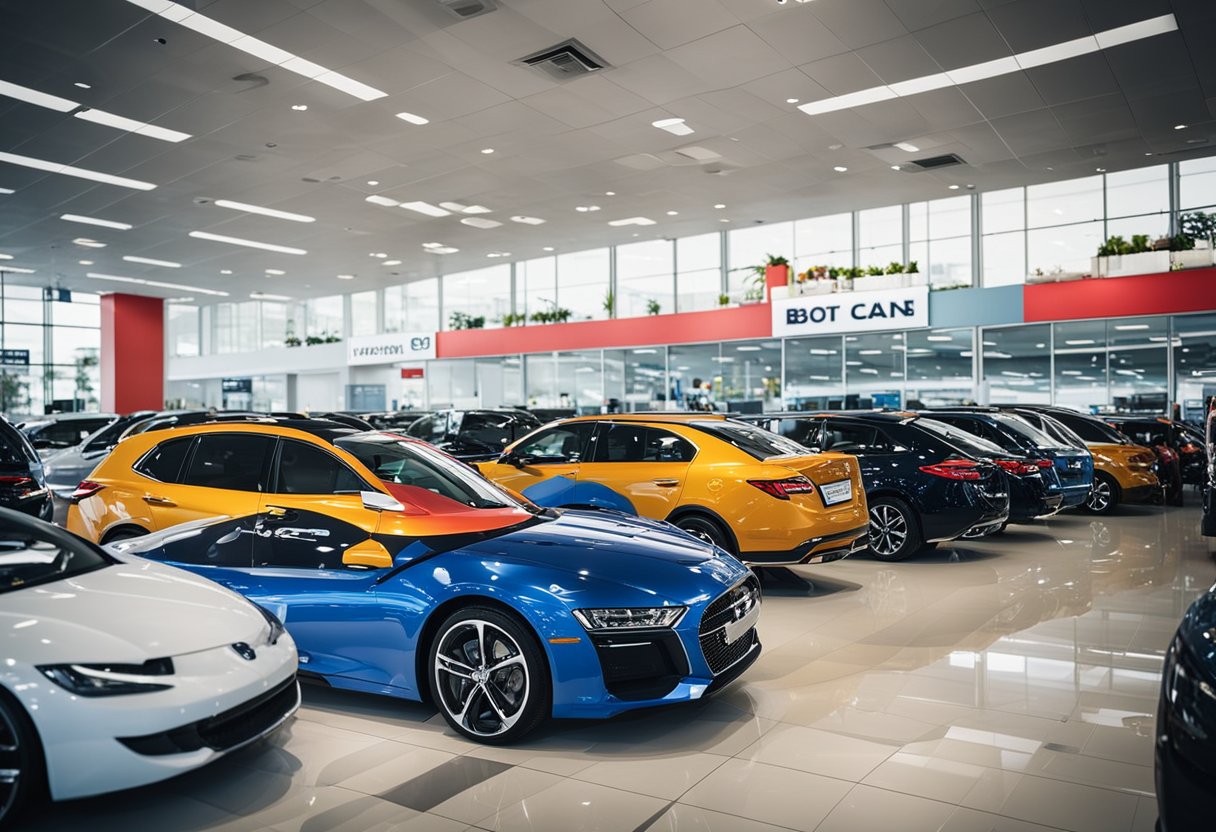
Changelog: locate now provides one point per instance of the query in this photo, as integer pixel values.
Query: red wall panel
(1193, 290)
(751, 321)
(132, 353)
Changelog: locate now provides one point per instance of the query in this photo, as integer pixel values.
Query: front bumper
(823, 549)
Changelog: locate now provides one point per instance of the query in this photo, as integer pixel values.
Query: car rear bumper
(822, 549)
(1037, 509)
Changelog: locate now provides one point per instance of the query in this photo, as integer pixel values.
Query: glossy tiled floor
(1006, 684)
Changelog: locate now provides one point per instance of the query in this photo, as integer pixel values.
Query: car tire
(705, 529)
(894, 529)
(511, 696)
(1103, 495)
(20, 752)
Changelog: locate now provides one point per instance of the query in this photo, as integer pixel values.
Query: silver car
(65, 468)
(51, 434)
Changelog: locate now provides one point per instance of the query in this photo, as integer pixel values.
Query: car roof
(655, 416)
(321, 428)
(889, 416)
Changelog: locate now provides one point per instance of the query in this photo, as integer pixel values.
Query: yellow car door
(217, 474)
(544, 467)
(636, 468)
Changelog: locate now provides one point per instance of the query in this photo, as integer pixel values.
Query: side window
(566, 443)
(803, 431)
(429, 428)
(232, 461)
(638, 443)
(307, 469)
(491, 430)
(846, 438)
(164, 462)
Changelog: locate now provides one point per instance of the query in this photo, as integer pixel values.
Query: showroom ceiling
(292, 105)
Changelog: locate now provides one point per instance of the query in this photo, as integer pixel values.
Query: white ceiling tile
(963, 41)
(859, 23)
(670, 23)
(752, 57)
(798, 35)
(918, 14)
(842, 74)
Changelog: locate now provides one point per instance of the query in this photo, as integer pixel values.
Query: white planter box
(877, 282)
(1056, 277)
(1196, 259)
(814, 287)
(1148, 262)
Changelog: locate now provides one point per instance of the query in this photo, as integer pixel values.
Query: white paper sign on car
(837, 492)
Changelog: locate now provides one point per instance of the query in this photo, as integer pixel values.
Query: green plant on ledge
(292, 341)
(610, 304)
(1116, 246)
(723, 300)
(553, 315)
(313, 340)
(1197, 226)
(462, 320)
(653, 307)
(513, 318)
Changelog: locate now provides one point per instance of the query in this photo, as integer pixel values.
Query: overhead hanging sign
(852, 312)
(390, 348)
(15, 358)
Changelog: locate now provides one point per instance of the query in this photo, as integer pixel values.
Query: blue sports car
(500, 623)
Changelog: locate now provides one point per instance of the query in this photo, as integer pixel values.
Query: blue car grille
(720, 655)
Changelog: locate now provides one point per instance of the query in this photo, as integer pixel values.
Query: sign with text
(15, 358)
(390, 348)
(852, 312)
(412, 372)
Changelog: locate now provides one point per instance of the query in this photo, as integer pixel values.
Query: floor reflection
(1004, 683)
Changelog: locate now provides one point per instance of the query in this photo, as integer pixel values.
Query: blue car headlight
(629, 618)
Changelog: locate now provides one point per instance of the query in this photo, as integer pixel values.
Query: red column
(132, 353)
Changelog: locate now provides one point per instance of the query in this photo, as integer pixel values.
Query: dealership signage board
(390, 348)
(852, 312)
(15, 358)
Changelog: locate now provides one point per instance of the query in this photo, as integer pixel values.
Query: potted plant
(513, 318)
(462, 320)
(610, 304)
(1193, 247)
(813, 281)
(653, 307)
(723, 300)
(1118, 257)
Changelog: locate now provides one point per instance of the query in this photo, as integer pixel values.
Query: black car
(1185, 753)
(65, 470)
(22, 483)
(1208, 527)
(921, 488)
(1067, 471)
(473, 435)
(395, 420)
(67, 430)
(181, 418)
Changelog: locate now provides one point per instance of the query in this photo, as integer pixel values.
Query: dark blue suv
(1067, 471)
(922, 489)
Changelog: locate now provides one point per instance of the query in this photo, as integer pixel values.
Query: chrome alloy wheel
(1099, 496)
(10, 763)
(482, 677)
(888, 529)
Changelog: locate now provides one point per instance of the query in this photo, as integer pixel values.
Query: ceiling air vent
(464, 9)
(569, 59)
(933, 162)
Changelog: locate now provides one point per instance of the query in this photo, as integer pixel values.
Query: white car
(117, 673)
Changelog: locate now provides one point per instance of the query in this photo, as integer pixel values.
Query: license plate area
(835, 493)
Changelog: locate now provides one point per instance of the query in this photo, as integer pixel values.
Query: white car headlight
(629, 618)
(109, 679)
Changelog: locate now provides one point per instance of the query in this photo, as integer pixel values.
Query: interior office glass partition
(274, 324)
(636, 379)
(1016, 364)
(1003, 229)
(182, 329)
(823, 241)
(566, 380)
(535, 284)
(645, 275)
(1139, 365)
(814, 373)
(940, 367)
(874, 369)
(323, 317)
(698, 272)
(1080, 358)
(751, 375)
(1194, 350)
(480, 293)
(695, 377)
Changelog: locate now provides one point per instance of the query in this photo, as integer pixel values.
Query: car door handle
(277, 511)
(152, 499)
(666, 483)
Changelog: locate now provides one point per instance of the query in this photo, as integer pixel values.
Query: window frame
(263, 475)
(605, 427)
(191, 442)
(587, 444)
(272, 486)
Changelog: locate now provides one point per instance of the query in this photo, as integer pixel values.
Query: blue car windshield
(401, 462)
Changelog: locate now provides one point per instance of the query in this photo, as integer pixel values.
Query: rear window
(753, 441)
(1023, 428)
(1092, 430)
(966, 442)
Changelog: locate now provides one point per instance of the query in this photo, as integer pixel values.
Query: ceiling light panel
(480, 222)
(426, 208)
(118, 278)
(238, 241)
(167, 264)
(40, 99)
(631, 221)
(376, 199)
(7, 191)
(413, 119)
(266, 212)
(140, 128)
(252, 46)
(4, 256)
(71, 170)
(1001, 66)
(675, 126)
(121, 226)
(88, 243)
(523, 220)
(17, 270)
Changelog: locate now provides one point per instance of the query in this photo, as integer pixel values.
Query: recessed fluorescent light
(168, 264)
(225, 271)
(487, 150)
(1129, 327)
(83, 85)
(1001, 66)
(748, 348)
(840, 169)
(894, 167)
(391, 263)
(632, 221)
(547, 248)
(88, 243)
(7, 191)
(528, 220)
(443, 250)
(675, 126)
(426, 208)
(609, 193)
(910, 148)
(379, 254)
(139, 128)
(791, 101)
(455, 207)
(266, 296)
(1079, 342)
(41, 99)
(869, 352)
(673, 213)
(346, 277)
(953, 187)
(159, 284)
(71, 170)
(413, 119)
(16, 270)
(250, 45)
(478, 209)
(86, 262)
(266, 212)
(376, 199)
(720, 205)
(585, 209)
(938, 338)
(6, 256)
(1179, 126)
(479, 222)
(121, 226)
(276, 272)
(1070, 372)
(237, 241)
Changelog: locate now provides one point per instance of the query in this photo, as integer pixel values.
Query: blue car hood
(619, 548)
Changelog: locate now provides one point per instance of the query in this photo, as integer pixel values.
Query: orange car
(758, 495)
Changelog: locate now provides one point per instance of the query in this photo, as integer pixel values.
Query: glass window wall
(749, 247)
(583, 278)
(814, 373)
(1017, 364)
(699, 272)
(363, 313)
(481, 293)
(645, 276)
(413, 307)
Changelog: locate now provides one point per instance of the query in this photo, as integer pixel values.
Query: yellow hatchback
(755, 494)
